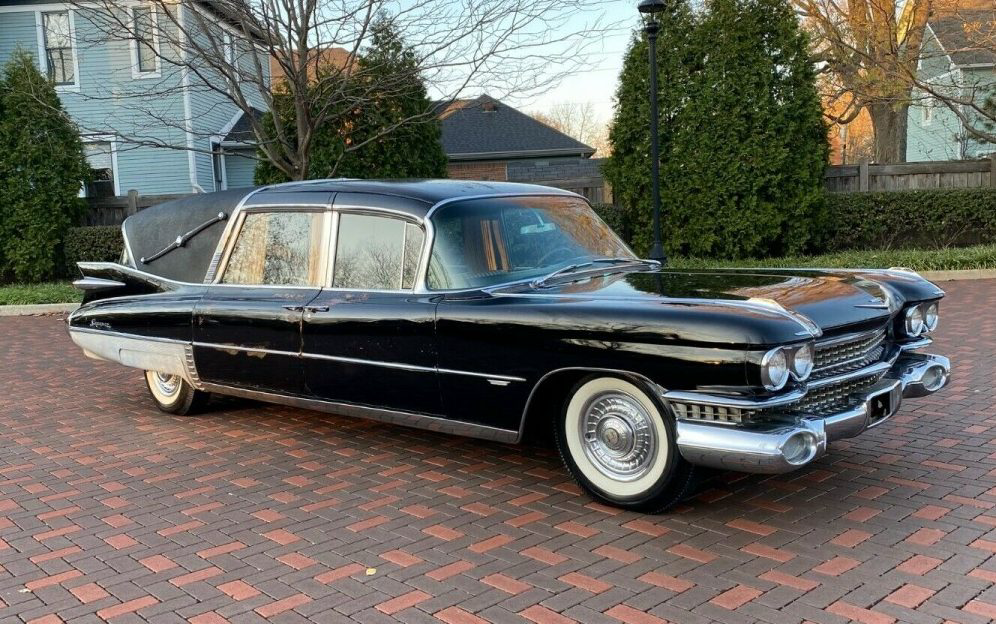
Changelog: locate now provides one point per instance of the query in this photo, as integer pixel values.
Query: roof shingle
(484, 127)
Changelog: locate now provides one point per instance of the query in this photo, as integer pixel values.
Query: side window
(277, 249)
(376, 253)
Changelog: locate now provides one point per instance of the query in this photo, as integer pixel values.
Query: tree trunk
(889, 124)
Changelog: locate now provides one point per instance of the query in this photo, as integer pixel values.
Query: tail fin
(102, 280)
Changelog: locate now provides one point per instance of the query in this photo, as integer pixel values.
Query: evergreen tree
(745, 146)
(628, 167)
(42, 168)
(398, 137)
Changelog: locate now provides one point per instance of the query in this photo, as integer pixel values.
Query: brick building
(486, 139)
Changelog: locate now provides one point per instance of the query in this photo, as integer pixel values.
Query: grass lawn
(46, 292)
(978, 257)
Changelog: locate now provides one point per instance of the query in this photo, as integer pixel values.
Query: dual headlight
(780, 363)
(920, 319)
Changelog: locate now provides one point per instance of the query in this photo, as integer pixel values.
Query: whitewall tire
(619, 443)
(173, 394)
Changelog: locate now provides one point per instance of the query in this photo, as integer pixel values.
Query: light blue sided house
(149, 124)
(957, 60)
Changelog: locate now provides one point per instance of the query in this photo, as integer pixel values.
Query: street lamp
(649, 9)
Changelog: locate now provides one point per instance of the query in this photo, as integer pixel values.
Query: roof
(412, 197)
(484, 128)
(968, 36)
(242, 132)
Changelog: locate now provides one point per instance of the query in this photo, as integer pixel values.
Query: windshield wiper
(571, 268)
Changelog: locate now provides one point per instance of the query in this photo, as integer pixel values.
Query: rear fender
(103, 280)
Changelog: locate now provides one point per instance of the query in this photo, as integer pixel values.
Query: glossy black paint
(260, 319)
(371, 332)
(477, 356)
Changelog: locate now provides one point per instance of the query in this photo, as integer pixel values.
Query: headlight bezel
(931, 308)
(913, 321)
(767, 380)
(802, 374)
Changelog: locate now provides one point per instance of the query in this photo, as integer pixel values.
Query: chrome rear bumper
(782, 447)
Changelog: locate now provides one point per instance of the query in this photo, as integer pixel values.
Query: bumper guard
(773, 448)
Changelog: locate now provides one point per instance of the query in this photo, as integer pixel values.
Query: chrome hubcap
(618, 436)
(167, 384)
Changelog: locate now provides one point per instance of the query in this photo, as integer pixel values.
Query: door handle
(321, 308)
(293, 308)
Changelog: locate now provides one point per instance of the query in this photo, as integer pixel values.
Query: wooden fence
(912, 176)
(838, 179)
(113, 210)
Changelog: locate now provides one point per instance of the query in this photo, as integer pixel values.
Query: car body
(478, 308)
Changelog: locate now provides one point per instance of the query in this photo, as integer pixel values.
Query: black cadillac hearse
(479, 308)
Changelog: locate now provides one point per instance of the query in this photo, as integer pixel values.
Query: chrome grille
(836, 356)
(709, 413)
(834, 397)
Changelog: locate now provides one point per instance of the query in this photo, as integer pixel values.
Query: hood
(828, 299)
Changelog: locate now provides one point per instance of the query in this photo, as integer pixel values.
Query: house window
(100, 156)
(144, 25)
(927, 112)
(58, 39)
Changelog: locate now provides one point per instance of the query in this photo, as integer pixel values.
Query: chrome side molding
(407, 419)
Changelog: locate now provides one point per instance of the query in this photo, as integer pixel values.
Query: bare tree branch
(222, 52)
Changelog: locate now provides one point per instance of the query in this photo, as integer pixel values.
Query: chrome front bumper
(782, 447)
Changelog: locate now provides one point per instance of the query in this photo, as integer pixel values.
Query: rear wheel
(173, 394)
(620, 445)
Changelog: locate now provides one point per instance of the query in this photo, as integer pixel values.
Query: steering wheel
(553, 252)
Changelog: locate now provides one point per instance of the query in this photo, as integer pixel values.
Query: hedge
(96, 243)
(931, 219)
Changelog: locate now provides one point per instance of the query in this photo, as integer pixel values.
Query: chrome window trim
(212, 271)
(374, 211)
(421, 286)
(127, 243)
(236, 229)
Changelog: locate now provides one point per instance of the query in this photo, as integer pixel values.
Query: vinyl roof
(414, 197)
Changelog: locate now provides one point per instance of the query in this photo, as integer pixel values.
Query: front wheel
(173, 394)
(621, 446)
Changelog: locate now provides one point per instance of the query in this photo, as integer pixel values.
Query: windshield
(484, 242)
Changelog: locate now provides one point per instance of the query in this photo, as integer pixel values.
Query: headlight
(774, 369)
(914, 321)
(802, 362)
(930, 316)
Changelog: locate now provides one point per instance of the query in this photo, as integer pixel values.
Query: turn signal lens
(802, 362)
(775, 369)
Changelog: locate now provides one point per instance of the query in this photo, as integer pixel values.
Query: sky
(597, 85)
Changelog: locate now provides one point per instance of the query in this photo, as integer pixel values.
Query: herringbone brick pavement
(112, 511)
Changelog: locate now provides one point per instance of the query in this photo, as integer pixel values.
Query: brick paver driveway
(110, 510)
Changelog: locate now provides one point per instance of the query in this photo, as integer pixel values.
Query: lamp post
(649, 9)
